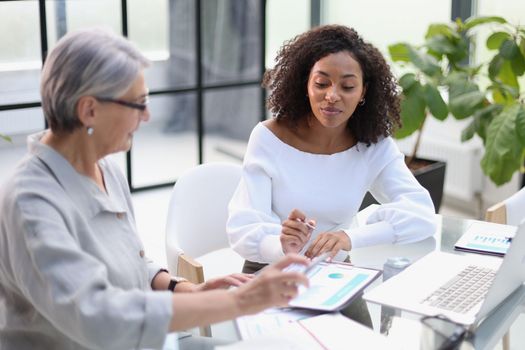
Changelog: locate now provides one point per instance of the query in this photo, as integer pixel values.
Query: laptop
(464, 288)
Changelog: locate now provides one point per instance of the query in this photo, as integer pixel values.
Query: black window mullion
(263, 57)
(43, 40)
(315, 13)
(199, 93)
(124, 28)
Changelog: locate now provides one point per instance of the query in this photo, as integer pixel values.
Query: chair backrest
(511, 211)
(198, 211)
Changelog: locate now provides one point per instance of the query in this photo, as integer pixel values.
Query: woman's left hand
(235, 280)
(331, 242)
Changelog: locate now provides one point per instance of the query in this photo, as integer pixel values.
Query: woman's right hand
(272, 287)
(295, 232)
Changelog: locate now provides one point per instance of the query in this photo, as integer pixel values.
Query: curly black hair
(287, 81)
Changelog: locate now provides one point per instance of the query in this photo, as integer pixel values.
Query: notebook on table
(464, 288)
(486, 238)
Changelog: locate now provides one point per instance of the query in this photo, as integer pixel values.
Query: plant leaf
(520, 125)
(469, 131)
(412, 111)
(440, 29)
(461, 51)
(407, 81)
(399, 52)
(435, 102)
(507, 76)
(502, 150)
(475, 21)
(495, 66)
(440, 44)
(509, 49)
(464, 105)
(460, 84)
(518, 64)
(5, 138)
(483, 117)
(426, 63)
(495, 40)
(503, 93)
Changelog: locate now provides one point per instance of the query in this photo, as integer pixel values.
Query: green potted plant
(488, 93)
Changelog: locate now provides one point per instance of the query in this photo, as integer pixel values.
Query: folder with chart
(486, 238)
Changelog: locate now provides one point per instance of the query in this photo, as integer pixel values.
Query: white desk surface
(449, 230)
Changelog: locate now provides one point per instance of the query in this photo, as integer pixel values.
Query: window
(208, 59)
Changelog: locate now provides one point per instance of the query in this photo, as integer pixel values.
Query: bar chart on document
(487, 238)
(497, 244)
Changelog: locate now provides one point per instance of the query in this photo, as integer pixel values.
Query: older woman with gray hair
(73, 274)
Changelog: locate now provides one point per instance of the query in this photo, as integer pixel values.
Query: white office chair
(196, 224)
(510, 211)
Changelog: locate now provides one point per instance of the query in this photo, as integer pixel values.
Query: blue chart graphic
(356, 281)
(491, 244)
(336, 275)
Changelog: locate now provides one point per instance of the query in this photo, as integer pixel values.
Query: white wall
(385, 22)
(284, 20)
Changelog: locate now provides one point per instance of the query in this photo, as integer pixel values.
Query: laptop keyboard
(464, 291)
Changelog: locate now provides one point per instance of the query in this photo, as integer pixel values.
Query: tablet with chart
(333, 286)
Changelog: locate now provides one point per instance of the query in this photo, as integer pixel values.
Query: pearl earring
(90, 131)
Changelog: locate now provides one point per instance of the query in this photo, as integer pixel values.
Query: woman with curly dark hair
(307, 170)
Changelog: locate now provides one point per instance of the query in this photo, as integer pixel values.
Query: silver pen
(309, 225)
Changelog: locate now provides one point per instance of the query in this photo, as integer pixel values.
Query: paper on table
(323, 332)
(337, 332)
(269, 321)
(289, 337)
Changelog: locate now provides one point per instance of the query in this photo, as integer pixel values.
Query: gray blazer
(73, 273)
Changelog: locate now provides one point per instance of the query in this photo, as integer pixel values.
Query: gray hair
(89, 62)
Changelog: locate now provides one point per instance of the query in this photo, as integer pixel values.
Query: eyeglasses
(451, 334)
(140, 106)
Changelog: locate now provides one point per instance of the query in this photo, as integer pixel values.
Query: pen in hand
(307, 223)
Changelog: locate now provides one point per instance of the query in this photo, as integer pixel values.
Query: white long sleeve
(278, 178)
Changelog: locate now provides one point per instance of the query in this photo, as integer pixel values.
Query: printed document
(486, 238)
(331, 331)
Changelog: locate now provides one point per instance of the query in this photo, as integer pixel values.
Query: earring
(90, 130)
(362, 102)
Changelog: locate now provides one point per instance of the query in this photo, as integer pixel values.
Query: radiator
(463, 178)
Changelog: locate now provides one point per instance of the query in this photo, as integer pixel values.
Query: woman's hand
(272, 287)
(235, 280)
(296, 232)
(331, 242)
